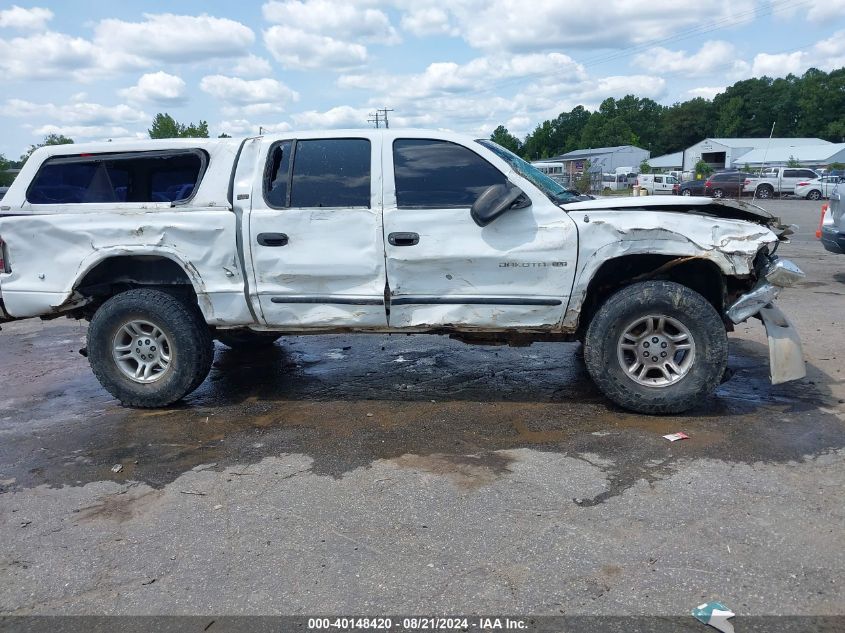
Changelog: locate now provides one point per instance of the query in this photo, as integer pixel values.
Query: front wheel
(149, 349)
(686, 192)
(656, 347)
(718, 193)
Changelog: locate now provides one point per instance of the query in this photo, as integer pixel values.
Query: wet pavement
(375, 474)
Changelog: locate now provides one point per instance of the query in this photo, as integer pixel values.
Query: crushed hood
(708, 207)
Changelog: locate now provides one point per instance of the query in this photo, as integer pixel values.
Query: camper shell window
(156, 176)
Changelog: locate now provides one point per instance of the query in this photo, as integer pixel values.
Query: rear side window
(438, 174)
(170, 176)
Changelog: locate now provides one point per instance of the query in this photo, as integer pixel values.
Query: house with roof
(603, 160)
(722, 153)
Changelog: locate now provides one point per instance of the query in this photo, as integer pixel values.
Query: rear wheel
(815, 194)
(656, 347)
(148, 348)
(246, 339)
(765, 192)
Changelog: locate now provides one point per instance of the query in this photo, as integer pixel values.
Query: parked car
(776, 181)
(656, 184)
(690, 188)
(725, 184)
(817, 188)
(832, 227)
(380, 231)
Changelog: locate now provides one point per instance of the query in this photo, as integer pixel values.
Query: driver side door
(443, 270)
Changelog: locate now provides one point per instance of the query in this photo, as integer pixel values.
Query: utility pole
(384, 111)
(380, 116)
(260, 130)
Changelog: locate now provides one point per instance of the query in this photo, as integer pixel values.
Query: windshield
(553, 189)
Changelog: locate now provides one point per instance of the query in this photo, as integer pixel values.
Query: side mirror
(496, 200)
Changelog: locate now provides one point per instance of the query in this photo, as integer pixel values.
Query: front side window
(436, 174)
(169, 176)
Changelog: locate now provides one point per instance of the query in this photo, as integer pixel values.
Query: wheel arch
(109, 271)
(698, 273)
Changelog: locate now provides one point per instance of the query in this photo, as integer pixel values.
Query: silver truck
(164, 246)
(776, 181)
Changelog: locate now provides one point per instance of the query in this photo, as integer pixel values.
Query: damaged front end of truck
(680, 240)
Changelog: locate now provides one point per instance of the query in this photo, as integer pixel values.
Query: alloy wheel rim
(656, 350)
(141, 351)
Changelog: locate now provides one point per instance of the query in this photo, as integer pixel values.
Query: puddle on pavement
(447, 410)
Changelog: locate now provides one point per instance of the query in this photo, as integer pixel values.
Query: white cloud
(818, 11)
(244, 92)
(251, 66)
(480, 74)
(51, 55)
(830, 53)
(513, 25)
(339, 117)
(424, 21)
(77, 114)
(713, 56)
(77, 132)
(237, 127)
(340, 20)
(120, 46)
(76, 120)
(159, 87)
(708, 92)
(325, 34)
(295, 48)
(175, 38)
(34, 19)
(779, 65)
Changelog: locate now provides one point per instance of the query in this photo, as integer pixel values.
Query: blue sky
(94, 70)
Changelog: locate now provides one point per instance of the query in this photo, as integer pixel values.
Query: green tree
(702, 169)
(50, 139)
(684, 124)
(5, 177)
(645, 168)
(792, 162)
(224, 135)
(507, 140)
(165, 126)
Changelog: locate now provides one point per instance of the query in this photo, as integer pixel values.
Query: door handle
(272, 239)
(403, 239)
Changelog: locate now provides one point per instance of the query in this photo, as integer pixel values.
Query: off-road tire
(814, 194)
(673, 300)
(191, 347)
(246, 339)
(765, 192)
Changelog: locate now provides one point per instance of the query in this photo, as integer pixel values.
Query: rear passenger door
(315, 233)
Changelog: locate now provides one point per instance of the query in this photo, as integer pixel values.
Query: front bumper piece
(786, 357)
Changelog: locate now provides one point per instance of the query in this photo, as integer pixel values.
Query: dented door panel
(513, 273)
(319, 267)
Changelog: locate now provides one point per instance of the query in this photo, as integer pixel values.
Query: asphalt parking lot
(395, 474)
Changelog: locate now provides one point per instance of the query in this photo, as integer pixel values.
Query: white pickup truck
(166, 245)
(777, 181)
